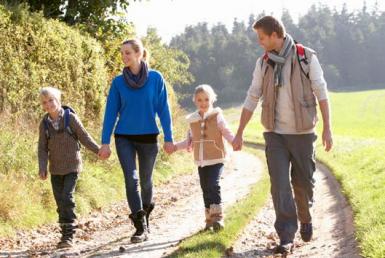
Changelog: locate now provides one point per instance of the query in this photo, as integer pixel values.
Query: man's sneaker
(306, 231)
(284, 248)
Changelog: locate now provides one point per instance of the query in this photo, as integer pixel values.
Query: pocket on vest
(212, 151)
(266, 116)
(196, 146)
(309, 113)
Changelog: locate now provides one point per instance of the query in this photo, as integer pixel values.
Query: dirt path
(332, 219)
(178, 214)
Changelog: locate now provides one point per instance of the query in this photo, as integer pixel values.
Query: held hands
(169, 147)
(43, 175)
(238, 142)
(104, 152)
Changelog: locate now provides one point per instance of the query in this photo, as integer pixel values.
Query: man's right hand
(237, 142)
(238, 139)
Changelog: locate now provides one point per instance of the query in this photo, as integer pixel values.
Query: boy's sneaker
(67, 231)
(284, 248)
(64, 244)
(306, 231)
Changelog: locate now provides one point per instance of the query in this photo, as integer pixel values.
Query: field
(357, 160)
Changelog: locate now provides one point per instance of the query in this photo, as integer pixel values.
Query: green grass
(359, 114)
(210, 244)
(357, 160)
(359, 166)
(27, 201)
(354, 114)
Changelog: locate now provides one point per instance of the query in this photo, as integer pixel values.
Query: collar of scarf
(136, 81)
(280, 58)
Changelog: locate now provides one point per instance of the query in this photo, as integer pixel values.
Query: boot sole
(284, 251)
(63, 246)
(306, 239)
(135, 240)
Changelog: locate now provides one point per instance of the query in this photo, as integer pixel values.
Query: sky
(170, 17)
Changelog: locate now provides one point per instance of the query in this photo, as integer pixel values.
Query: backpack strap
(303, 58)
(67, 121)
(264, 59)
(67, 126)
(264, 62)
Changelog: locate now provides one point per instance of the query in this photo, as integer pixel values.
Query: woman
(136, 96)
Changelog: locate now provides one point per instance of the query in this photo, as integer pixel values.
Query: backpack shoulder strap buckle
(301, 53)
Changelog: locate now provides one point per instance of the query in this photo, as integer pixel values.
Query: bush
(36, 52)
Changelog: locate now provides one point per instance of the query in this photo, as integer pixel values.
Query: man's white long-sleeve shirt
(284, 110)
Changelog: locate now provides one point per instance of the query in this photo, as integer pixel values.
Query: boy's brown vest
(303, 98)
(207, 139)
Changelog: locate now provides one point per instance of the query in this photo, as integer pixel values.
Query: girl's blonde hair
(208, 90)
(137, 46)
(51, 92)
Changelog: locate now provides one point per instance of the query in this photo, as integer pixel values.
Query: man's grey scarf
(279, 59)
(136, 81)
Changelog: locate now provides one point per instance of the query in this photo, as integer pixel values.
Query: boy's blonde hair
(51, 92)
(206, 89)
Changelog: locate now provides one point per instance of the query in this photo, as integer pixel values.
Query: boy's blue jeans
(63, 187)
(209, 179)
(127, 151)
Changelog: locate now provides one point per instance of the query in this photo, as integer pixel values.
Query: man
(288, 79)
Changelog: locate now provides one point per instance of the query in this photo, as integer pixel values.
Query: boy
(60, 132)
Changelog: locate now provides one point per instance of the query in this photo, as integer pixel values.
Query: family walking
(287, 79)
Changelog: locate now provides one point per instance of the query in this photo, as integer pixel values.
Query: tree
(349, 45)
(291, 27)
(76, 11)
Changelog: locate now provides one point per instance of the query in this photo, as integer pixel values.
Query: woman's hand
(104, 152)
(43, 175)
(169, 147)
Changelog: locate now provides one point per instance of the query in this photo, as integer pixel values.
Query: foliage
(348, 45)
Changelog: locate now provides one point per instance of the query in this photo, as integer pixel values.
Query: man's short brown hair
(269, 24)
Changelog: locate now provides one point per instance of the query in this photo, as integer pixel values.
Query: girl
(205, 137)
(59, 134)
(136, 96)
